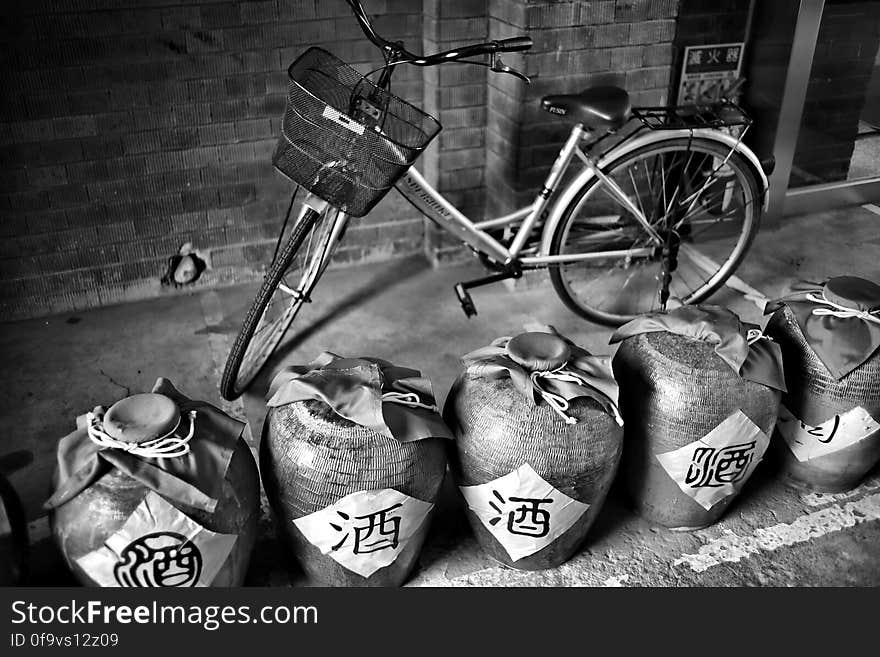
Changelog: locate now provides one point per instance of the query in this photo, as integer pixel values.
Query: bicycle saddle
(598, 108)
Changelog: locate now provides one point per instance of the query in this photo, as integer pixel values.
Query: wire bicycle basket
(342, 137)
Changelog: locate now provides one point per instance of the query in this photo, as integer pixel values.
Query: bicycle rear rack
(713, 115)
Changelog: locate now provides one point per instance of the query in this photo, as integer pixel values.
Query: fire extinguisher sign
(708, 71)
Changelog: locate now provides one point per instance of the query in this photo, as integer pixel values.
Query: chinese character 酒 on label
(526, 518)
(823, 434)
(714, 467)
(376, 531)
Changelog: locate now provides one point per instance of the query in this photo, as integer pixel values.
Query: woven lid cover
(758, 360)
(518, 358)
(840, 320)
(394, 401)
(194, 479)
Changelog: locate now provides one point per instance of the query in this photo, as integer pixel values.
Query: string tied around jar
(167, 446)
(406, 399)
(558, 403)
(830, 308)
(753, 335)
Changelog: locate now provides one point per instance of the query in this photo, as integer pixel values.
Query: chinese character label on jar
(807, 442)
(367, 530)
(523, 511)
(158, 546)
(719, 464)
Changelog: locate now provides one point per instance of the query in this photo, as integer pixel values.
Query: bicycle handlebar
(514, 44)
(404, 56)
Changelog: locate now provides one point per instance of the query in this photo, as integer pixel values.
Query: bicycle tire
(752, 201)
(234, 382)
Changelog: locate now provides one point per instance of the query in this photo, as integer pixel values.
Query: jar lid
(853, 292)
(142, 417)
(538, 351)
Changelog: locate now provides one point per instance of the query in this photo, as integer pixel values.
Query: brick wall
(128, 127)
(707, 21)
(456, 94)
(577, 44)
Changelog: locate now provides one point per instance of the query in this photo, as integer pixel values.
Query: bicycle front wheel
(287, 285)
(709, 199)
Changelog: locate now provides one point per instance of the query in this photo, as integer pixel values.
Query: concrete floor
(54, 369)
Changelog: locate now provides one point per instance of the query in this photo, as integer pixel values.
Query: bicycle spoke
(675, 188)
(638, 196)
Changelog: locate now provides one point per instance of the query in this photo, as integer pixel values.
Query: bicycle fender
(646, 139)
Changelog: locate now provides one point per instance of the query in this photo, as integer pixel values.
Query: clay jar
(518, 462)
(83, 524)
(674, 391)
(311, 458)
(13, 536)
(827, 437)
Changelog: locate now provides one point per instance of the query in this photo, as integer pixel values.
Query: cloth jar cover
(538, 441)
(699, 395)
(352, 460)
(123, 519)
(829, 424)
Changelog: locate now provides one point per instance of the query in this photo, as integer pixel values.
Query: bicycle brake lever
(500, 67)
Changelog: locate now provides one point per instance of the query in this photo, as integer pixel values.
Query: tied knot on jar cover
(537, 441)
(699, 395)
(829, 334)
(353, 460)
(157, 490)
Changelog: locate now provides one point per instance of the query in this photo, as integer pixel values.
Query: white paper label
(719, 464)
(367, 530)
(342, 119)
(158, 546)
(523, 511)
(808, 442)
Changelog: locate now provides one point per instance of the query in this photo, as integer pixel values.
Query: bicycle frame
(433, 205)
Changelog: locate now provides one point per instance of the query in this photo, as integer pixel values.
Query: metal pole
(797, 80)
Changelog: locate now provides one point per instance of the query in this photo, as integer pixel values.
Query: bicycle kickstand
(464, 297)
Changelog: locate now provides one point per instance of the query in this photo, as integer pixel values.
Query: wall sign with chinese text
(808, 442)
(708, 71)
(523, 511)
(719, 464)
(366, 530)
(158, 546)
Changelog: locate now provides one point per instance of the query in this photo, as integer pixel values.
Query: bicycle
(611, 256)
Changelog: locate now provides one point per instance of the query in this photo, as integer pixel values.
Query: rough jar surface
(674, 391)
(85, 522)
(823, 403)
(312, 459)
(498, 432)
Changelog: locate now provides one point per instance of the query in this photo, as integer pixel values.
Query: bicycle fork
(321, 258)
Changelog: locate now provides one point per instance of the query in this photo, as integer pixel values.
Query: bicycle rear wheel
(287, 285)
(712, 204)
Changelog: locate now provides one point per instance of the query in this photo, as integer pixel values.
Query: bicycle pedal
(464, 298)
